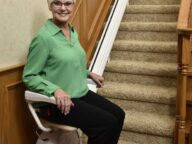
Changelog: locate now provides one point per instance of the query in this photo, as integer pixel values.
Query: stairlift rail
(105, 44)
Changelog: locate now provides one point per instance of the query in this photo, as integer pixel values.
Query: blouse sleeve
(36, 60)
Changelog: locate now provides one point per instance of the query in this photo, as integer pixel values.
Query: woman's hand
(98, 79)
(63, 101)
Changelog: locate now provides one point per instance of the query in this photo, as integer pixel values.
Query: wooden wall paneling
(97, 25)
(93, 7)
(17, 123)
(96, 19)
(88, 21)
(3, 114)
(84, 21)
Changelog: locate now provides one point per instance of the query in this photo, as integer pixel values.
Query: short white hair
(50, 1)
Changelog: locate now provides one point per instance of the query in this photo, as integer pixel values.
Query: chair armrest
(90, 81)
(36, 97)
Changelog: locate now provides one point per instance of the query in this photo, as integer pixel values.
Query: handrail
(105, 44)
(184, 14)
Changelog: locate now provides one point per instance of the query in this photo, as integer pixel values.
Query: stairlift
(53, 133)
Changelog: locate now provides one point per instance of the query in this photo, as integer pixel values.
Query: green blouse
(54, 62)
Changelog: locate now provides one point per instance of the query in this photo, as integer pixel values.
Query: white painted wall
(19, 21)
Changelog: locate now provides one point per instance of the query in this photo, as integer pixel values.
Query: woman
(56, 66)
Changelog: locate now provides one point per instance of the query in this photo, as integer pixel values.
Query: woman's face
(62, 10)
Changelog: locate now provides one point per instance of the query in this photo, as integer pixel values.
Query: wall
(19, 21)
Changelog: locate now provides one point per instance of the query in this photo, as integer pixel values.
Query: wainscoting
(16, 123)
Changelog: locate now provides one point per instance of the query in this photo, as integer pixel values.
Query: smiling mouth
(63, 14)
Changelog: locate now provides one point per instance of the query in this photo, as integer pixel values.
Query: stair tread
(145, 46)
(152, 9)
(149, 123)
(139, 92)
(153, 2)
(148, 26)
(140, 79)
(140, 67)
(141, 138)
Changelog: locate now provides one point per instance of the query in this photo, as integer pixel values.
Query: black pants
(98, 118)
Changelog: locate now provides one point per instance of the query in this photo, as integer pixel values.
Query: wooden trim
(17, 125)
(95, 22)
(98, 27)
(77, 8)
(184, 28)
(184, 13)
(5, 69)
(185, 31)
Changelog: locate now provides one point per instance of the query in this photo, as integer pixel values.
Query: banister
(184, 29)
(184, 14)
(187, 31)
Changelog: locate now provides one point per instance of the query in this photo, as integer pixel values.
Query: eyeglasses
(59, 4)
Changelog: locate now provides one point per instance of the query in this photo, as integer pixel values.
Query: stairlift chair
(44, 125)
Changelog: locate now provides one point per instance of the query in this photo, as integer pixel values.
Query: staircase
(141, 74)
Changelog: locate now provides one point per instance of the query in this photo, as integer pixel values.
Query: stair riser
(155, 108)
(140, 79)
(153, 2)
(129, 93)
(144, 138)
(148, 27)
(150, 17)
(148, 36)
(141, 56)
(161, 9)
(146, 47)
(135, 69)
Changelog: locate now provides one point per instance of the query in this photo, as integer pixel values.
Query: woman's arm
(36, 61)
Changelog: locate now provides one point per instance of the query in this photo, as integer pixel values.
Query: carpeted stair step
(138, 92)
(149, 123)
(154, 2)
(150, 17)
(151, 13)
(156, 108)
(143, 56)
(145, 46)
(148, 26)
(145, 68)
(157, 9)
(147, 35)
(140, 138)
(140, 79)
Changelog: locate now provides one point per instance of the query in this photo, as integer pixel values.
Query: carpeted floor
(141, 74)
